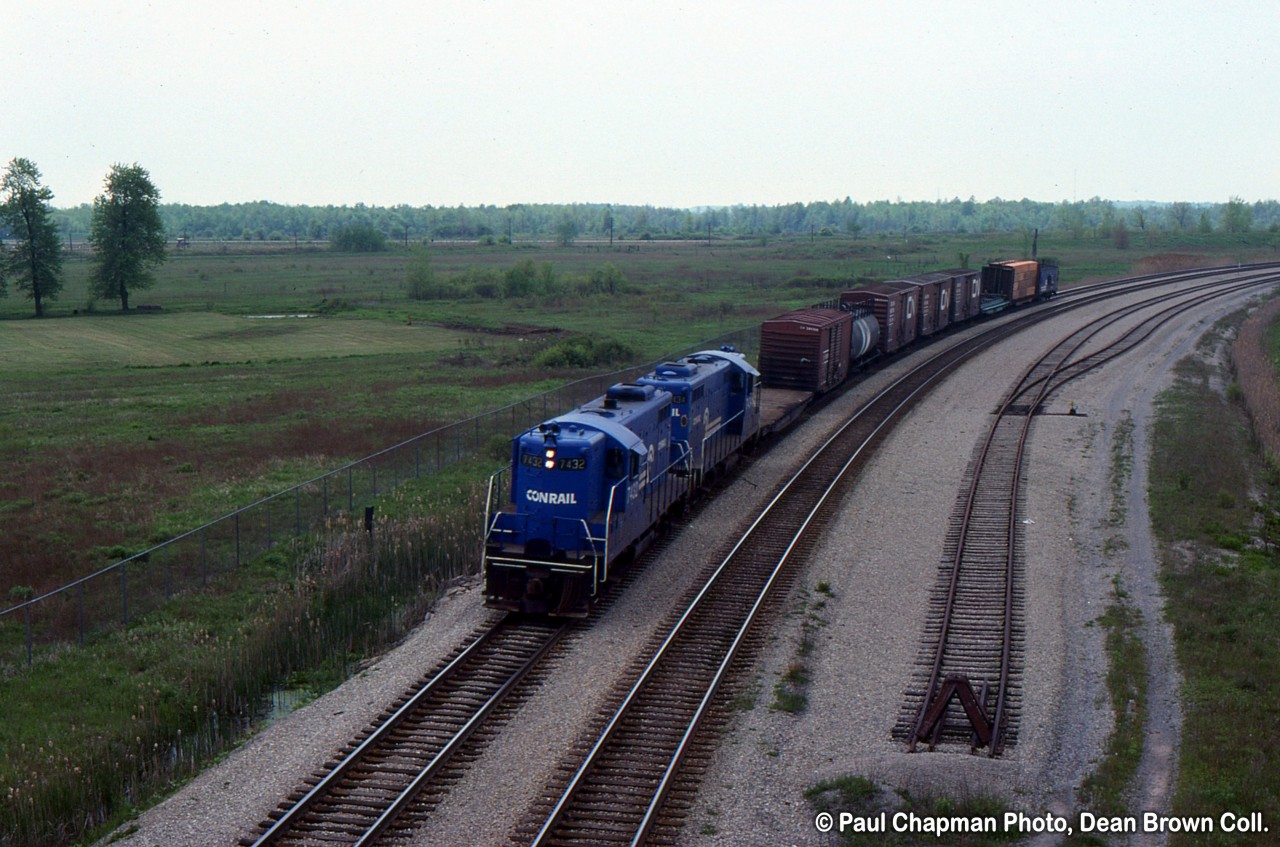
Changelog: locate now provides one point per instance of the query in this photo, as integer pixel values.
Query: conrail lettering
(552, 498)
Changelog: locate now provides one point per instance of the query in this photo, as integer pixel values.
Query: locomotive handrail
(488, 506)
(683, 457)
(608, 526)
(595, 554)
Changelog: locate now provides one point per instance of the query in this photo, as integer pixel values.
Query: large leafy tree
(1237, 216)
(35, 262)
(126, 233)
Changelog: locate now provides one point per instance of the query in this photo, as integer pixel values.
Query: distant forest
(265, 221)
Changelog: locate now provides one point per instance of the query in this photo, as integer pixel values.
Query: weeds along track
(966, 686)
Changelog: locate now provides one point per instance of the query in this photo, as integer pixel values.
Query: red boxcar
(807, 349)
(966, 297)
(895, 306)
(934, 302)
(961, 295)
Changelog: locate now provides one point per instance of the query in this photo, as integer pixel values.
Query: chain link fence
(131, 588)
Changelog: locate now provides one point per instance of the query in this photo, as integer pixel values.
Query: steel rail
(429, 772)
(1128, 341)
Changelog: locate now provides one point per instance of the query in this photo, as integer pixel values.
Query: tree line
(266, 221)
(127, 226)
(125, 230)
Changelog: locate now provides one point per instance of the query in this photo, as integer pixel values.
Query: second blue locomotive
(589, 488)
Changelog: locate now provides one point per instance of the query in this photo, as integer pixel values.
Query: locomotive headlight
(550, 463)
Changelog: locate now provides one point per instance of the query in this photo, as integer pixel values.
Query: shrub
(582, 351)
(358, 238)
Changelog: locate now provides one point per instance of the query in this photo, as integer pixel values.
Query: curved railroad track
(967, 686)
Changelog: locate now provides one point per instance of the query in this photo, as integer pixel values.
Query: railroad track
(967, 687)
(366, 793)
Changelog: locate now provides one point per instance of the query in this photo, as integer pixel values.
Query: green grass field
(140, 340)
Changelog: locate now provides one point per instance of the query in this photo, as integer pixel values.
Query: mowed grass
(190, 338)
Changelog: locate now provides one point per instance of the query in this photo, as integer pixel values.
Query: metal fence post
(26, 613)
(351, 491)
(124, 591)
(80, 611)
(297, 511)
(237, 525)
(204, 561)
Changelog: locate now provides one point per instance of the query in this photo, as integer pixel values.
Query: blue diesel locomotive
(589, 488)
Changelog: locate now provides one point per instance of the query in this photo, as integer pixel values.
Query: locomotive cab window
(615, 462)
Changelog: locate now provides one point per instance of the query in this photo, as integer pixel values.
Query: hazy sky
(678, 104)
